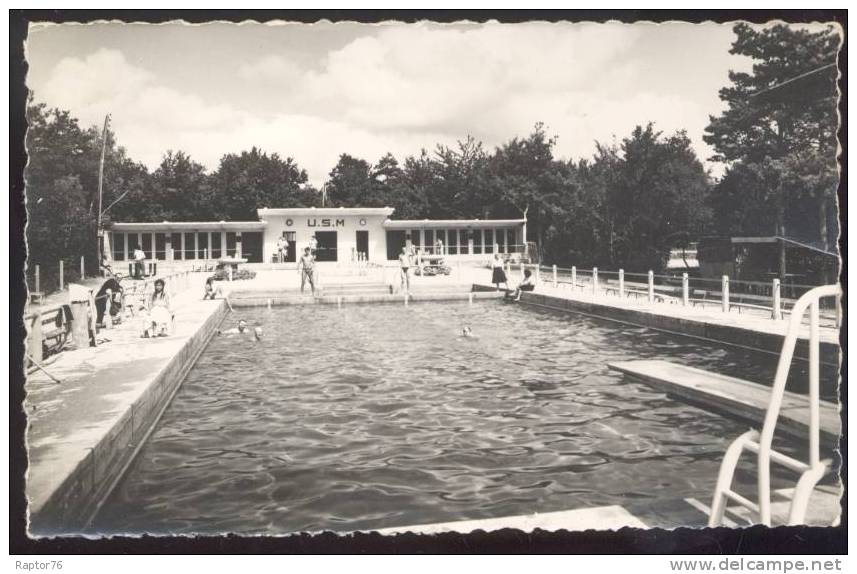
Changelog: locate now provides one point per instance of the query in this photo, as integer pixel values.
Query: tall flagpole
(100, 187)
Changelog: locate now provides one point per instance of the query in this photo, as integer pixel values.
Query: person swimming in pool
(240, 329)
(467, 333)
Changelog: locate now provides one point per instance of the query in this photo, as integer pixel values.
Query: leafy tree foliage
(351, 183)
(622, 208)
(639, 198)
(778, 133)
(62, 188)
(254, 179)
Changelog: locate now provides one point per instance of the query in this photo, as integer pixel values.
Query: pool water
(383, 415)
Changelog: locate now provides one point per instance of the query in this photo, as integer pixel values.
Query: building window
(202, 245)
(452, 242)
(215, 245)
(512, 242)
(430, 246)
(462, 242)
(501, 241)
(489, 241)
(190, 245)
(147, 245)
(160, 246)
(118, 246)
(176, 245)
(230, 243)
(477, 241)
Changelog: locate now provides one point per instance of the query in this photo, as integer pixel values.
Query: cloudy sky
(314, 91)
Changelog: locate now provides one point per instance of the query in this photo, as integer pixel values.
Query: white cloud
(271, 69)
(398, 89)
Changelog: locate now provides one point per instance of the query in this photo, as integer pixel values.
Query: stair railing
(760, 443)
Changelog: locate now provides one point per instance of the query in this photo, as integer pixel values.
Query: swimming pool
(380, 415)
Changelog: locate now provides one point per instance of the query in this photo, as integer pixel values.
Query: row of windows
(155, 245)
(462, 241)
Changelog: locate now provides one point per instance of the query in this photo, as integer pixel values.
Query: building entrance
(251, 246)
(363, 243)
(326, 246)
(291, 254)
(395, 242)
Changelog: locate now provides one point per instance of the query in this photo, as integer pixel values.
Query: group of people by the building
(160, 315)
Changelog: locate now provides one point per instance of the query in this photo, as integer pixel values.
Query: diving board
(731, 396)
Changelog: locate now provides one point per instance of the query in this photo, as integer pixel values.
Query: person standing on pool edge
(498, 275)
(405, 262)
(306, 267)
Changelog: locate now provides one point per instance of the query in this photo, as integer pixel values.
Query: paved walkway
(99, 384)
(753, 321)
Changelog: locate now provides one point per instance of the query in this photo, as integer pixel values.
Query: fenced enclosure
(772, 299)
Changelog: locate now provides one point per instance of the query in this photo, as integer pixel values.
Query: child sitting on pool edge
(211, 292)
(528, 284)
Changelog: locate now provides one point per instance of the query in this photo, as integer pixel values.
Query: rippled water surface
(376, 416)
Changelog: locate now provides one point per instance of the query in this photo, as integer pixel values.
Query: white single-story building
(343, 234)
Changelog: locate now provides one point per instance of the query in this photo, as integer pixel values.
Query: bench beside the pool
(731, 396)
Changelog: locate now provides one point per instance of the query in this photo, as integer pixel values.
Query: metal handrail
(761, 443)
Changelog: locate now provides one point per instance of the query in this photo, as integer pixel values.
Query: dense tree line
(777, 137)
(623, 207)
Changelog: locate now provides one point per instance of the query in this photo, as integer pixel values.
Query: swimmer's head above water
(242, 325)
(467, 332)
(257, 332)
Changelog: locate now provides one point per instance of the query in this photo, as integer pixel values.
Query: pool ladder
(760, 443)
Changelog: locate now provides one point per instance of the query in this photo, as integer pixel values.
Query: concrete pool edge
(743, 337)
(115, 455)
(74, 503)
(241, 299)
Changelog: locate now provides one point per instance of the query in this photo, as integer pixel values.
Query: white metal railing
(760, 443)
(726, 294)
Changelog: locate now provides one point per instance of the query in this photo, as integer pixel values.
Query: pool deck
(84, 431)
(824, 510)
(751, 329)
(732, 396)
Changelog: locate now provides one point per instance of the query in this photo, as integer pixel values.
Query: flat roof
(446, 223)
(777, 238)
(189, 226)
(331, 211)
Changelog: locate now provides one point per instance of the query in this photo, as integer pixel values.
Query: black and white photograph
(416, 276)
